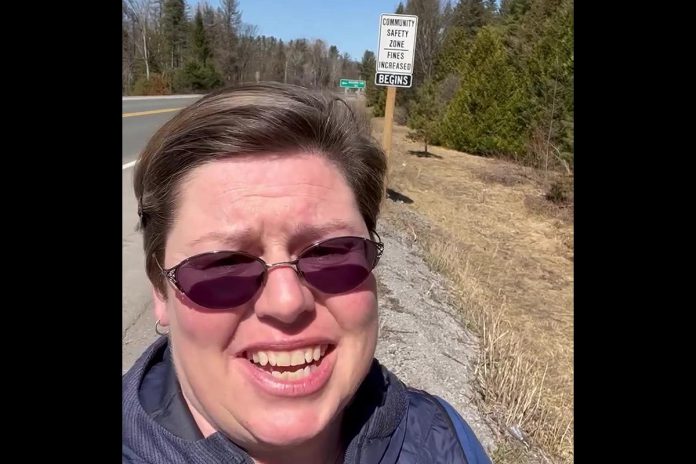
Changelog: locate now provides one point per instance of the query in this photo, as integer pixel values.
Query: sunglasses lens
(221, 280)
(338, 265)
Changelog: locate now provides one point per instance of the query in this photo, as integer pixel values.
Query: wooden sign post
(388, 120)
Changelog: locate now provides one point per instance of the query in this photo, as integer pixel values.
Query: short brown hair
(246, 119)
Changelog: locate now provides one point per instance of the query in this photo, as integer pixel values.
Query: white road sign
(397, 43)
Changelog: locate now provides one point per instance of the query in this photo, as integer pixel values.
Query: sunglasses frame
(170, 273)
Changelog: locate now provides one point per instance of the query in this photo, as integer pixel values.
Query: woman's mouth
(289, 365)
(296, 372)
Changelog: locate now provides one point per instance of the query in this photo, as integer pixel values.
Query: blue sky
(351, 25)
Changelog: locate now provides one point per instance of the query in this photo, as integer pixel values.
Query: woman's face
(271, 206)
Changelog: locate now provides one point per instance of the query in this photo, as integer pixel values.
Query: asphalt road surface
(141, 118)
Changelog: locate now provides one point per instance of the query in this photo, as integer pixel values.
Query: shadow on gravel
(424, 154)
(398, 197)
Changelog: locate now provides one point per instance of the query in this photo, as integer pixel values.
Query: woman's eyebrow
(310, 232)
(301, 233)
(238, 237)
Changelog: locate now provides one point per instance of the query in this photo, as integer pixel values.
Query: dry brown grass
(486, 224)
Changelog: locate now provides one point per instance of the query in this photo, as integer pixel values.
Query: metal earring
(158, 328)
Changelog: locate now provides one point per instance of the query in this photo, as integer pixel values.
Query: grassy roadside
(508, 250)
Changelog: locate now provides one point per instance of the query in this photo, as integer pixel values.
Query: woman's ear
(160, 307)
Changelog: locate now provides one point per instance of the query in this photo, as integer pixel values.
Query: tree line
(172, 47)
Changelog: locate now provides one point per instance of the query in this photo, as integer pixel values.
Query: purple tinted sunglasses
(226, 279)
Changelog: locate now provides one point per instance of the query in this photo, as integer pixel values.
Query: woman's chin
(284, 437)
(287, 430)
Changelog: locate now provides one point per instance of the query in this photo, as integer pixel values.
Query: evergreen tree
(199, 73)
(485, 116)
(425, 112)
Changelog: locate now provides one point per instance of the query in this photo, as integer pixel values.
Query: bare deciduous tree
(139, 12)
(245, 51)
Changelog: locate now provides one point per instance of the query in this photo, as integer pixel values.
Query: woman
(258, 206)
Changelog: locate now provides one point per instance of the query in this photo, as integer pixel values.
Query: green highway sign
(352, 84)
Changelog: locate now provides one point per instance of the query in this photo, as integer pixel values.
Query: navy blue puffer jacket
(386, 423)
